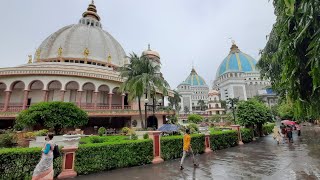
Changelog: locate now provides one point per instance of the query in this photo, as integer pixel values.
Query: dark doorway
(126, 100)
(29, 102)
(152, 122)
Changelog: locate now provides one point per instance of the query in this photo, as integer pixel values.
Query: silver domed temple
(79, 64)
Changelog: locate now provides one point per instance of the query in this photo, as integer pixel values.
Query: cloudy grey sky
(182, 31)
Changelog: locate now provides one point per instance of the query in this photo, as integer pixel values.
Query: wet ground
(262, 159)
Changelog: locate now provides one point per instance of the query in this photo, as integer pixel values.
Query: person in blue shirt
(44, 169)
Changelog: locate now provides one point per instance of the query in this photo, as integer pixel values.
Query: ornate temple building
(78, 63)
(238, 77)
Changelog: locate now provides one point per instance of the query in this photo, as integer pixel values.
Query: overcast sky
(182, 31)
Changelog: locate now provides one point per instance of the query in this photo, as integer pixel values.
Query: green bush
(102, 131)
(247, 135)
(145, 136)
(193, 128)
(267, 128)
(42, 132)
(102, 139)
(92, 158)
(125, 130)
(172, 146)
(223, 139)
(19, 163)
(8, 139)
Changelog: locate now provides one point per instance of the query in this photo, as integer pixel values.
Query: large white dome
(85, 40)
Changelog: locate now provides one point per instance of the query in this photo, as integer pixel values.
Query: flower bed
(19, 163)
(92, 158)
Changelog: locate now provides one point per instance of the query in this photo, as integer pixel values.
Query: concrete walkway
(262, 159)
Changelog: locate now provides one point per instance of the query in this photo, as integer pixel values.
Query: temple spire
(149, 47)
(91, 11)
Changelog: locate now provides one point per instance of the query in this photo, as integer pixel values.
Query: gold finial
(60, 50)
(86, 53)
(38, 52)
(109, 58)
(149, 47)
(30, 59)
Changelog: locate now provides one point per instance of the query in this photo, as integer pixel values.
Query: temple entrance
(152, 122)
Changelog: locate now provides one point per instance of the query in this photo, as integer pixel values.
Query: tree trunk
(259, 127)
(140, 112)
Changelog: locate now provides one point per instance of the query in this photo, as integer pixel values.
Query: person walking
(276, 134)
(187, 148)
(289, 134)
(44, 169)
(298, 129)
(283, 132)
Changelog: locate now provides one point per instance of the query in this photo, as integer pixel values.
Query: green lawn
(103, 139)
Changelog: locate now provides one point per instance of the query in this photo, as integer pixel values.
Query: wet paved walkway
(262, 159)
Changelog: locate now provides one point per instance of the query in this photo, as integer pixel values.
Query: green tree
(215, 118)
(195, 118)
(285, 110)
(55, 115)
(291, 57)
(202, 105)
(173, 119)
(175, 100)
(253, 112)
(142, 77)
(224, 104)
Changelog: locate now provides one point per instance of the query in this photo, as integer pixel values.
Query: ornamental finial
(109, 58)
(38, 52)
(60, 50)
(149, 47)
(92, 2)
(86, 53)
(30, 59)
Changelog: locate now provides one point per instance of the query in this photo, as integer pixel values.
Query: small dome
(85, 40)
(194, 79)
(150, 53)
(237, 61)
(213, 92)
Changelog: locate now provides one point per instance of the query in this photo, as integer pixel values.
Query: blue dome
(237, 61)
(194, 79)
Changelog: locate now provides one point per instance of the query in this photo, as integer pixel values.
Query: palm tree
(142, 77)
(202, 105)
(175, 100)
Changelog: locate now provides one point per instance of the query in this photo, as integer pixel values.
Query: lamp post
(146, 101)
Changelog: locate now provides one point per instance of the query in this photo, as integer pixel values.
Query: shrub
(29, 135)
(125, 130)
(172, 146)
(96, 139)
(223, 139)
(146, 136)
(19, 163)
(42, 132)
(195, 118)
(8, 140)
(102, 131)
(92, 158)
(102, 139)
(267, 128)
(246, 134)
(193, 128)
(134, 137)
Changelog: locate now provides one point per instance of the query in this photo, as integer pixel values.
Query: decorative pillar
(122, 100)
(45, 95)
(237, 128)
(62, 92)
(207, 144)
(110, 100)
(68, 163)
(7, 100)
(25, 99)
(155, 136)
(95, 100)
(79, 97)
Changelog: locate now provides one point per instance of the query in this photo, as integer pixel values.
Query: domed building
(193, 90)
(78, 63)
(238, 77)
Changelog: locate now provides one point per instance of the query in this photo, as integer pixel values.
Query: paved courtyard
(262, 159)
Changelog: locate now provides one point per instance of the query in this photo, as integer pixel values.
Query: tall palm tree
(142, 77)
(175, 100)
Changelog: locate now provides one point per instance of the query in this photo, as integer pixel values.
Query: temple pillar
(207, 144)
(237, 128)
(122, 100)
(7, 100)
(45, 95)
(95, 100)
(62, 92)
(79, 97)
(25, 99)
(110, 100)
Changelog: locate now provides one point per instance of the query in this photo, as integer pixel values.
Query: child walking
(187, 148)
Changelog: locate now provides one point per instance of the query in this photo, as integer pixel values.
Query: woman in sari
(44, 169)
(276, 134)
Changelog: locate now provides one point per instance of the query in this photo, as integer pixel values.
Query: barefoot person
(187, 148)
(44, 169)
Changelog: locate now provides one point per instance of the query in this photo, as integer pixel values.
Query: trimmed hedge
(103, 139)
(268, 128)
(91, 158)
(223, 139)
(247, 135)
(19, 163)
(172, 146)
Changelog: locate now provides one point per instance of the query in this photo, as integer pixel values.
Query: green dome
(194, 79)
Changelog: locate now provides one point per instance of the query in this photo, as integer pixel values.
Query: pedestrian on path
(289, 134)
(298, 129)
(276, 134)
(187, 148)
(283, 132)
